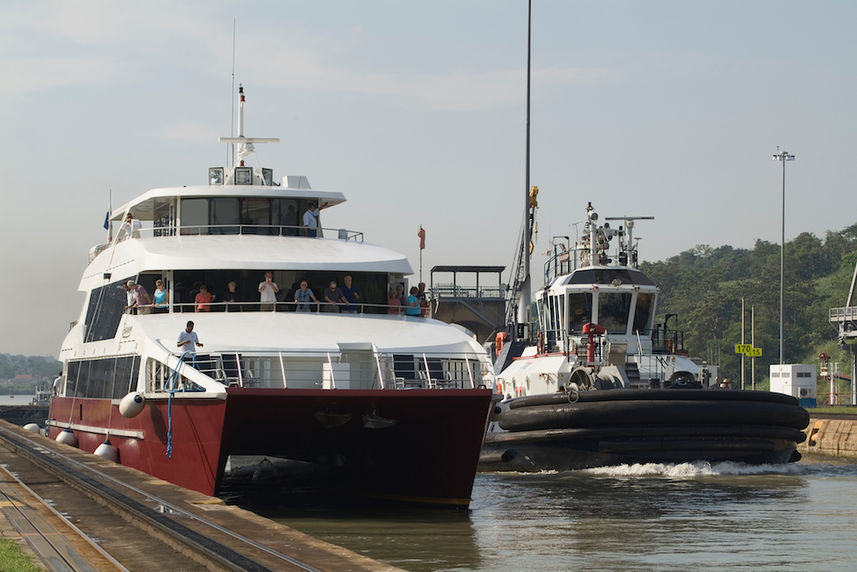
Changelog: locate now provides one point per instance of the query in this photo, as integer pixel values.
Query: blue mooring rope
(172, 388)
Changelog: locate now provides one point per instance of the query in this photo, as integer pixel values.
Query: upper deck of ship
(243, 219)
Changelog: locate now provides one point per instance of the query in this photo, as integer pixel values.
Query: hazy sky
(416, 111)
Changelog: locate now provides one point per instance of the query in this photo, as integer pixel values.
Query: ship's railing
(844, 314)
(347, 369)
(301, 307)
(662, 342)
(237, 229)
(450, 291)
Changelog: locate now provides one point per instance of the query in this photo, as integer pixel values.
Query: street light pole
(782, 156)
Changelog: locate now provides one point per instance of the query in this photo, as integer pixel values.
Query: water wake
(704, 469)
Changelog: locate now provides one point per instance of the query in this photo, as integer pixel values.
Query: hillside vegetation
(705, 285)
(20, 374)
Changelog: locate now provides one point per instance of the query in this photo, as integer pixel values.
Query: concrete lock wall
(836, 437)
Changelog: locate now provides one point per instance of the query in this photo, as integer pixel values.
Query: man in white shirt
(130, 228)
(268, 293)
(188, 340)
(311, 220)
(58, 384)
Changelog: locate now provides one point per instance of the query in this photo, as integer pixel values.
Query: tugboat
(601, 385)
(345, 389)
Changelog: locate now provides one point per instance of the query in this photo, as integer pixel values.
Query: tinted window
(224, 212)
(613, 311)
(104, 312)
(109, 378)
(643, 315)
(579, 311)
(194, 216)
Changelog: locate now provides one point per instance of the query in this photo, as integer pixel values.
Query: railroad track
(185, 535)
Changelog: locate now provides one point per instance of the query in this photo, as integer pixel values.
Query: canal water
(801, 516)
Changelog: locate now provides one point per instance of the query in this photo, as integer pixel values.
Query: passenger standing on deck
(303, 295)
(400, 294)
(231, 297)
(311, 220)
(188, 340)
(203, 299)
(129, 297)
(421, 297)
(268, 293)
(333, 296)
(130, 228)
(142, 301)
(413, 307)
(394, 302)
(351, 295)
(162, 297)
(58, 384)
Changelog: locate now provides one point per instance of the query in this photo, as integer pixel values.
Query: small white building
(797, 380)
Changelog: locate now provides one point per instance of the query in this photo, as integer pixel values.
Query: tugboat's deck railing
(845, 314)
(346, 369)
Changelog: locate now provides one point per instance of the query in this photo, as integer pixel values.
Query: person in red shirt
(203, 299)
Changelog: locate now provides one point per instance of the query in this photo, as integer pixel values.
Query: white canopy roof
(241, 252)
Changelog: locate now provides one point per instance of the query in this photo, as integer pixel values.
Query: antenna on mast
(230, 150)
(244, 145)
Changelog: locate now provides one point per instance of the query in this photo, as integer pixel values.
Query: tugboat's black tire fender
(655, 395)
(651, 411)
(704, 433)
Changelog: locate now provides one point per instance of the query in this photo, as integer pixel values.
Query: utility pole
(783, 157)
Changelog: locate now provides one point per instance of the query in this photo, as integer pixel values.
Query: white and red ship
(388, 404)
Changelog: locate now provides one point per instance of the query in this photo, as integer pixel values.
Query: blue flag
(107, 220)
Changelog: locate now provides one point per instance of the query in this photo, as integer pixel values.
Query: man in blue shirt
(351, 294)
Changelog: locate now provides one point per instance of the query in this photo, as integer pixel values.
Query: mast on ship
(244, 146)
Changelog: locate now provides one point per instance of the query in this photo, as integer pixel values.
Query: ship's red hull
(415, 445)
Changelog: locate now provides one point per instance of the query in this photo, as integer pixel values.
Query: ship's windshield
(613, 311)
(244, 215)
(579, 311)
(643, 314)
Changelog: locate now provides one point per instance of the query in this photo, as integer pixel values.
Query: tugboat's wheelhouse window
(643, 315)
(613, 311)
(579, 311)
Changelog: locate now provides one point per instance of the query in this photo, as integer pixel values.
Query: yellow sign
(748, 350)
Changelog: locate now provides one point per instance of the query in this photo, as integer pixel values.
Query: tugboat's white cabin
(597, 312)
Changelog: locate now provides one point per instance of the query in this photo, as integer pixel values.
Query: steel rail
(72, 472)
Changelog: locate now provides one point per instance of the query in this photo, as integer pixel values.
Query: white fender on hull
(107, 451)
(132, 404)
(32, 427)
(66, 437)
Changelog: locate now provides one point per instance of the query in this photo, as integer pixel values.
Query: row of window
(110, 378)
(223, 215)
(614, 312)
